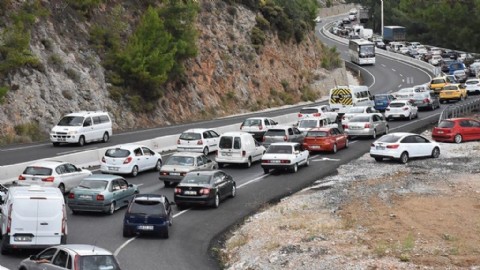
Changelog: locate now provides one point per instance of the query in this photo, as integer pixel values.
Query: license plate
(275, 161)
(85, 197)
(227, 154)
(145, 227)
(174, 173)
(315, 146)
(379, 104)
(113, 168)
(190, 192)
(439, 132)
(378, 147)
(61, 139)
(22, 238)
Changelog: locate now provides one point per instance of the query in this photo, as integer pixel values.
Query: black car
(204, 188)
(450, 54)
(149, 214)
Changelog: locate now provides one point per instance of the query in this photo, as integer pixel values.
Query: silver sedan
(180, 163)
(367, 125)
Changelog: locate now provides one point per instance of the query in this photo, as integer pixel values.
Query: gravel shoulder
(422, 215)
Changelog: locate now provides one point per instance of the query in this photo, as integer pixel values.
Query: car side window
(70, 168)
(137, 152)
(297, 148)
(290, 131)
(87, 122)
(465, 123)
(420, 139)
(266, 122)
(297, 131)
(206, 135)
(123, 184)
(199, 161)
(147, 152)
(213, 134)
(96, 120)
(60, 259)
(61, 169)
(474, 123)
(115, 185)
(408, 139)
(47, 254)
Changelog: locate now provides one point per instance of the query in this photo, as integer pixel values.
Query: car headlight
(73, 132)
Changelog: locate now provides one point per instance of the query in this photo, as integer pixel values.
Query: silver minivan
(282, 134)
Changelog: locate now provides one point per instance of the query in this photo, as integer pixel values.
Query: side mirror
(33, 257)
(130, 185)
(296, 152)
(87, 124)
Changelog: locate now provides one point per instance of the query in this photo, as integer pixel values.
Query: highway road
(195, 231)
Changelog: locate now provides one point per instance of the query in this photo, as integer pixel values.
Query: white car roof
(187, 154)
(85, 113)
(197, 130)
(399, 101)
(285, 143)
(129, 146)
(84, 250)
(46, 163)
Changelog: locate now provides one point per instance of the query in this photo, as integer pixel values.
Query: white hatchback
(198, 140)
(401, 109)
(130, 159)
(472, 86)
(403, 146)
(52, 173)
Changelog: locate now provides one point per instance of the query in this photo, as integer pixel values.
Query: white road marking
(327, 159)
(23, 147)
(394, 70)
(401, 75)
(383, 65)
(400, 85)
(123, 245)
(76, 151)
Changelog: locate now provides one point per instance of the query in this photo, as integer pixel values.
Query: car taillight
(244, 153)
(345, 126)
(300, 115)
(393, 146)
(100, 197)
(426, 100)
(265, 161)
(71, 195)
(372, 145)
(163, 173)
(199, 142)
(127, 160)
(103, 159)
(178, 190)
(285, 138)
(21, 177)
(204, 191)
(387, 109)
(9, 219)
(317, 114)
(48, 179)
(260, 127)
(405, 108)
(285, 161)
(178, 141)
(183, 173)
(367, 125)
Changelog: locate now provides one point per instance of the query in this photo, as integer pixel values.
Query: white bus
(344, 97)
(362, 52)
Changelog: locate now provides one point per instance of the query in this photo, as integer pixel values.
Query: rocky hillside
(228, 75)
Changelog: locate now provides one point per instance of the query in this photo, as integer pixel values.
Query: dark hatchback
(148, 214)
(204, 188)
(382, 101)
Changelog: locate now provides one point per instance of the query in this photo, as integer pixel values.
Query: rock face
(228, 76)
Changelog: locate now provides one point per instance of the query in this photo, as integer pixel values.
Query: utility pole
(381, 16)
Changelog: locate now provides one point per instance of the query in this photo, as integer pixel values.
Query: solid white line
(23, 147)
(253, 180)
(76, 151)
(123, 245)
(433, 115)
(401, 75)
(394, 70)
(383, 65)
(400, 85)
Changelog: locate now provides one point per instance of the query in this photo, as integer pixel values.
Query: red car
(325, 139)
(457, 130)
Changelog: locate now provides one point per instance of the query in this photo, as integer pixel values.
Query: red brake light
(199, 142)
(183, 174)
(300, 115)
(317, 114)
(372, 145)
(345, 126)
(285, 161)
(405, 108)
(367, 125)
(127, 160)
(100, 197)
(244, 153)
(285, 138)
(48, 179)
(163, 173)
(178, 141)
(204, 191)
(103, 159)
(393, 146)
(71, 195)
(9, 221)
(178, 190)
(21, 177)
(426, 100)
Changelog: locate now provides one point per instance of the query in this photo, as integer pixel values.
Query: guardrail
(457, 110)
(418, 63)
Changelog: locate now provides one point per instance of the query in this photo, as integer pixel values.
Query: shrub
(84, 5)
(30, 132)
(331, 59)
(3, 93)
(257, 36)
(308, 94)
(73, 74)
(55, 60)
(262, 23)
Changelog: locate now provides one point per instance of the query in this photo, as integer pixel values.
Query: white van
(32, 217)
(305, 125)
(342, 97)
(238, 147)
(82, 127)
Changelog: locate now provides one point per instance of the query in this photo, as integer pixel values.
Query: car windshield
(190, 136)
(381, 98)
(471, 82)
(275, 132)
(361, 118)
(117, 153)
(196, 178)
(355, 110)
(437, 81)
(317, 134)
(307, 123)
(93, 184)
(308, 111)
(180, 160)
(450, 87)
(397, 104)
(279, 149)
(446, 124)
(367, 50)
(252, 122)
(149, 207)
(226, 142)
(389, 138)
(33, 170)
(97, 262)
(71, 121)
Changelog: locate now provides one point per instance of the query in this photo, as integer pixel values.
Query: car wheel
(346, 143)
(106, 137)
(458, 138)
(134, 171)
(295, 168)
(249, 163)
(111, 208)
(307, 163)
(56, 144)
(265, 170)
(334, 149)
(410, 116)
(233, 192)
(386, 130)
(216, 201)
(158, 166)
(404, 158)
(220, 165)
(81, 141)
(435, 152)
(4, 249)
(62, 188)
(374, 135)
(165, 233)
(205, 151)
(378, 159)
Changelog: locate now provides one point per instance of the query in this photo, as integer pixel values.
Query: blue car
(148, 214)
(101, 193)
(382, 101)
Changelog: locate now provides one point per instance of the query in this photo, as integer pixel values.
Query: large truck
(394, 33)
(363, 15)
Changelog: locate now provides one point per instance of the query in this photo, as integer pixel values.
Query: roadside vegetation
(442, 23)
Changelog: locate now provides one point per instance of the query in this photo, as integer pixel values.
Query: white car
(257, 126)
(198, 140)
(318, 19)
(435, 60)
(285, 156)
(317, 111)
(52, 173)
(355, 110)
(402, 146)
(130, 159)
(401, 109)
(472, 86)
(306, 124)
(404, 93)
(421, 49)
